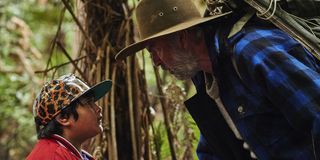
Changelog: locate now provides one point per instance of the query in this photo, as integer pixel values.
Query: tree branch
(70, 59)
(58, 66)
(67, 5)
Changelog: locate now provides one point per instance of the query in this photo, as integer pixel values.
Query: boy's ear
(63, 120)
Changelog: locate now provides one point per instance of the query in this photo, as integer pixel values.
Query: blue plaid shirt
(274, 99)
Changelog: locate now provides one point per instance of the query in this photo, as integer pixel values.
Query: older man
(258, 90)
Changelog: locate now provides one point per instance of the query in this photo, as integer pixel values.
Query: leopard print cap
(56, 95)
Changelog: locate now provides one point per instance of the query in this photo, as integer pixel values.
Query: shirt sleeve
(287, 75)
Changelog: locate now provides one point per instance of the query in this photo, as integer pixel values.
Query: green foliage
(161, 149)
(158, 141)
(27, 28)
(16, 123)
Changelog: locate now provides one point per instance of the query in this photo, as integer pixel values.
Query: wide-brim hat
(156, 18)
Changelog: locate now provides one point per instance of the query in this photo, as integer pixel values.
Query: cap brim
(99, 90)
(133, 48)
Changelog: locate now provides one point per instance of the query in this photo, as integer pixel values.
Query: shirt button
(245, 145)
(241, 109)
(252, 155)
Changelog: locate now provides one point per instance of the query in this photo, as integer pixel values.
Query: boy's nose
(99, 109)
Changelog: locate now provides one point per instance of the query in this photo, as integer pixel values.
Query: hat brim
(98, 90)
(133, 48)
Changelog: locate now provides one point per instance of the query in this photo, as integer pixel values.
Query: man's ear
(63, 120)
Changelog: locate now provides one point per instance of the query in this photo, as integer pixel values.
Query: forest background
(43, 39)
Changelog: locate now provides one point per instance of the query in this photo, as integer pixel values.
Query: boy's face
(89, 122)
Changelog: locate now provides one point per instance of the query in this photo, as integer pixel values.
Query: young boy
(66, 115)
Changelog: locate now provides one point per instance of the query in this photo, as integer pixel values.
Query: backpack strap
(240, 23)
(235, 29)
(224, 46)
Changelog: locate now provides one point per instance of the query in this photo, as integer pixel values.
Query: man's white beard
(186, 65)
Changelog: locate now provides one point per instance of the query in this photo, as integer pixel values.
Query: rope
(308, 24)
(263, 15)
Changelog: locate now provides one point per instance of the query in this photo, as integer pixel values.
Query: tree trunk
(109, 29)
(105, 27)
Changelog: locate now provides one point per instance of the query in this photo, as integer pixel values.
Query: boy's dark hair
(54, 127)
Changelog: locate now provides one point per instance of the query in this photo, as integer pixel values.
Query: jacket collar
(66, 144)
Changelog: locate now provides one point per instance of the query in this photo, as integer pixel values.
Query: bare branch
(165, 114)
(58, 66)
(53, 42)
(70, 59)
(67, 5)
